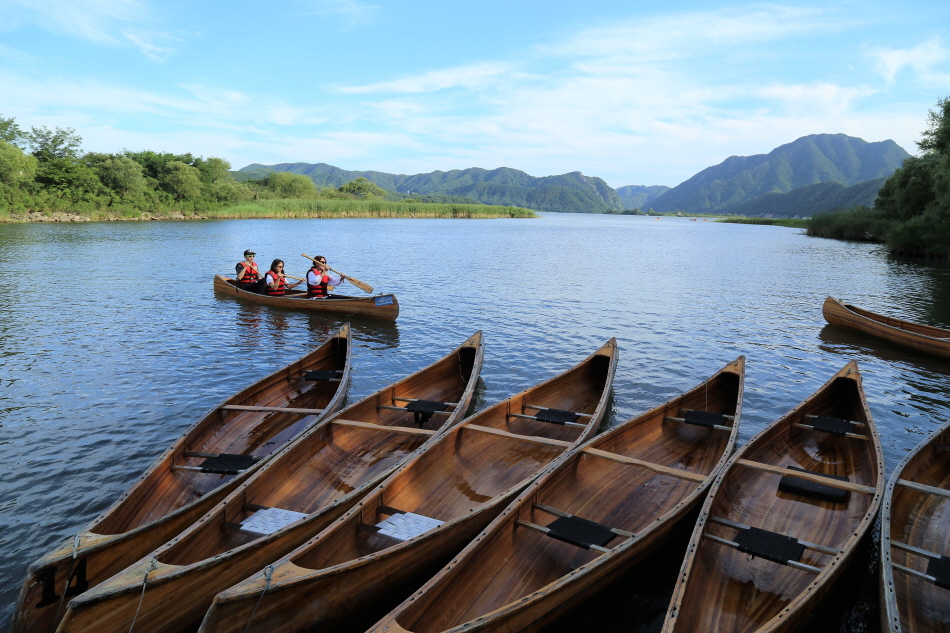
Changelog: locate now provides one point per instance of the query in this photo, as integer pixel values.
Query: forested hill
(573, 192)
(807, 161)
(640, 196)
(810, 200)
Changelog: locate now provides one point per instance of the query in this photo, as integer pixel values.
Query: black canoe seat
(705, 419)
(805, 488)
(322, 375)
(575, 530)
(423, 410)
(938, 565)
(227, 464)
(777, 548)
(552, 416)
(835, 426)
(939, 568)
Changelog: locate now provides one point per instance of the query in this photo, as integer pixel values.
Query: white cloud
(353, 11)
(922, 59)
(470, 76)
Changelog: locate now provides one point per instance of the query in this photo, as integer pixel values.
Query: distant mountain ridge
(571, 192)
(806, 161)
(810, 200)
(640, 196)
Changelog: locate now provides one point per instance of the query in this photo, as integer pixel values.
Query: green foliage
(936, 138)
(287, 185)
(11, 133)
(363, 189)
(61, 143)
(350, 208)
(66, 175)
(181, 180)
(15, 166)
(122, 175)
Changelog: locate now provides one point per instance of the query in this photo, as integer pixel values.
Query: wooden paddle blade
(359, 284)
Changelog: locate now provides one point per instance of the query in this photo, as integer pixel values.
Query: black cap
(249, 252)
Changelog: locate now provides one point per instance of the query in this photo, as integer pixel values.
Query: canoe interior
(296, 294)
(512, 562)
(336, 458)
(922, 520)
(730, 591)
(234, 432)
(916, 328)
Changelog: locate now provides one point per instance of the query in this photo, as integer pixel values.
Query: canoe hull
(922, 338)
(103, 549)
(378, 307)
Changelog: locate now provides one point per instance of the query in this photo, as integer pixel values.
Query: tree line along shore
(45, 176)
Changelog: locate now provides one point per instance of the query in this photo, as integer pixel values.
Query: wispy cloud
(471, 76)
(922, 59)
(353, 12)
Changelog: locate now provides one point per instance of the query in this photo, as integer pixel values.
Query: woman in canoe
(247, 274)
(276, 283)
(319, 279)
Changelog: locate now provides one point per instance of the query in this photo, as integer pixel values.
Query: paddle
(356, 282)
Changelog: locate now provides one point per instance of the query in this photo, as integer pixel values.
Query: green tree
(123, 175)
(153, 163)
(181, 180)
(363, 188)
(936, 138)
(67, 177)
(50, 144)
(10, 132)
(212, 169)
(288, 185)
(15, 166)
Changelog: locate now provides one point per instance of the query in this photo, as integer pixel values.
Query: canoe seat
(938, 566)
(575, 530)
(835, 426)
(266, 521)
(939, 569)
(704, 418)
(422, 410)
(553, 416)
(227, 464)
(777, 548)
(803, 487)
(321, 375)
(401, 525)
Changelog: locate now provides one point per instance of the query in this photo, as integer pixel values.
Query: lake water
(112, 342)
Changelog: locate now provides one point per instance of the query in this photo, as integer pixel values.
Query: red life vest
(320, 290)
(251, 274)
(281, 284)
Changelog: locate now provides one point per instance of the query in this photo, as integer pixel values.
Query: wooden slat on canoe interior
(378, 427)
(386, 406)
(543, 530)
(241, 407)
(527, 438)
(790, 563)
(813, 546)
(914, 550)
(568, 515)
(931, 490)
(818, 479)
(913, 572)
(631, 461)
(811, 428)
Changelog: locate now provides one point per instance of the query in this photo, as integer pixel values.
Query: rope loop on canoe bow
(268, 573)
(152, 566)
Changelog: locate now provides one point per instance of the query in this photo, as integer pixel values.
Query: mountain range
(810, 175)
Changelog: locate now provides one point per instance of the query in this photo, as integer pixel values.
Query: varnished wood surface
(322, 474)
(723, 590)
(923, 338)
(920, 520)
(163, 502)
(464, 479)
(515, 579)
(297, 300)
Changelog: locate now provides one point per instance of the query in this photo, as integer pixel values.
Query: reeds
(335, 208)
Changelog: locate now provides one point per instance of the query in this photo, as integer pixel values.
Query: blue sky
(634, 92)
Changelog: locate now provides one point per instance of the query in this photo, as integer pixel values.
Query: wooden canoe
(923, 338)
(288, 501)
(378, 307)
(463, 480)
(764, 503)
(585, 520)
(915, 540)
(257, 421)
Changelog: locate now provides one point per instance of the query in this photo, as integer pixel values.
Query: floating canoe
(783, 519)
(210, 460)
(289, 500)
(378, 307)
(915, 540)
(413, 523)
(923, 338)
(585, 520)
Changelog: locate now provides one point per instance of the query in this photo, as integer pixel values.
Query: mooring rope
(268, 572)
(69, 574)
(152, 566)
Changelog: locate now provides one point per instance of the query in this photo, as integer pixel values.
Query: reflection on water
(100, 371)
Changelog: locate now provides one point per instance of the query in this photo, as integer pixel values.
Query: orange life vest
(281, 284)
(320, 290)
(251, 274)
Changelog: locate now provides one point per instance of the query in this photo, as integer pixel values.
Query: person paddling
(319, 279)
(276, 285)
(248, 275)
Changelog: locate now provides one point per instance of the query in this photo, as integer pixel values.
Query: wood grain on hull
(163, 502)
(378, 307)
(923, 338)
(722, 589)
(464, 479)
(328, 469)
(640, 478)
(919, 519)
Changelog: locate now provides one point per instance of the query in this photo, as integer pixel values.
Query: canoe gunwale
(831, 568)
(602, 566)
(890, 613)
(306, 575)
